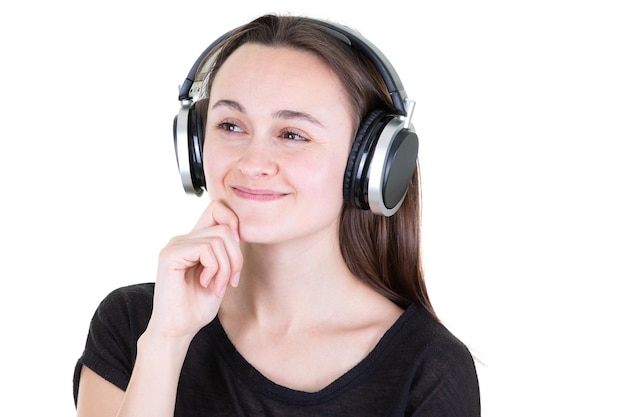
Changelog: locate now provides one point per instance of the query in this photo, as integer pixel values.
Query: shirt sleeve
(447, 385)
(111, 345)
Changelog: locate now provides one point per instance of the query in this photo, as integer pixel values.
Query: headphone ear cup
(197, 125)
(189, 128)
(391, 175)
(355, 182)
(381, 164)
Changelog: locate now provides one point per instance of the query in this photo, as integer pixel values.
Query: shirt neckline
(255, 380)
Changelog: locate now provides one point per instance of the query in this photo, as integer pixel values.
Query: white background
(521, 114)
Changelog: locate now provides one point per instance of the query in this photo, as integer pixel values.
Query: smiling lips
(257, 195)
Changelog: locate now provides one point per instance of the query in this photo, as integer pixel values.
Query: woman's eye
(294, 136)
(229, 127)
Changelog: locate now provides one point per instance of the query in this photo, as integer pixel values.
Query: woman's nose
(258, 159)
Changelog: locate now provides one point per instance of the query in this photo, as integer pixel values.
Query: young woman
(298, 292)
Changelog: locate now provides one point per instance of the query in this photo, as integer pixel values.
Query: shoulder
(132, 297)
(127, 309)
(120, 318)
(443, 371)
(418, 344)
(135, 292)
(425, 333)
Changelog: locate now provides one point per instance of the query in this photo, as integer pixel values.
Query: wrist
(162, 348)
(154, 381)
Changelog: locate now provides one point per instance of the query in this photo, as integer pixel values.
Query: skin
(264, 256)
(282, 161)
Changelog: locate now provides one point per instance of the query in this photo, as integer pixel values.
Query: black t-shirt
(418, 368)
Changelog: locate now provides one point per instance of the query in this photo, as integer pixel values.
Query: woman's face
(279, 131)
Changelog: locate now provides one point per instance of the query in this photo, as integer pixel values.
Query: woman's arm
(154, 381)
(152, 387)
(97, 397)
(192, 276)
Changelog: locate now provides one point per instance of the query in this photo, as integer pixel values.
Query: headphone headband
(186, 86)
(343, 33)
(353, 39)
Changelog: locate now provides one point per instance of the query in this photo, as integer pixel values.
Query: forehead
(279, 72)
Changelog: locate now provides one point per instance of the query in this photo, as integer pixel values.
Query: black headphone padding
(355, 183)
(197, 122)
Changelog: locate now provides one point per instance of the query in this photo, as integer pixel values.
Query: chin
(257, 230)
(257, 235)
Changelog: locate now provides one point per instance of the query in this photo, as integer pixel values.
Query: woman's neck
(295, 306)
(291, 286)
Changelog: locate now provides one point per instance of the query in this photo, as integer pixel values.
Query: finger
(209, 266)
(229, 242)
(217, 266)
(226, 227)
(218, 213)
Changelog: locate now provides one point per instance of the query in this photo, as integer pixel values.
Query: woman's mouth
(257, 194)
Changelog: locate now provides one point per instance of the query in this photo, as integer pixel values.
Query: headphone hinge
(409, 105)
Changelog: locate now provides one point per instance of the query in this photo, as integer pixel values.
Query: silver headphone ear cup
(181, 146)
(188, 143)
(381, 164)
(393, 163)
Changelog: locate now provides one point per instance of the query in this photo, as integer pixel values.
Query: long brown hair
(382, 251)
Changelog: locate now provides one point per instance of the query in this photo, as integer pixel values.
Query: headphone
(384, 153)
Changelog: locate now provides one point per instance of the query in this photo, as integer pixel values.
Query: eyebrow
(280, 114)
(292, 114)
(229, 103)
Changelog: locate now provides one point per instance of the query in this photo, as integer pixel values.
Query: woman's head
(278, 133)
(382, 251)
(366, 89)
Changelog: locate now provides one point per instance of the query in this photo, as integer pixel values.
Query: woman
(287, 298)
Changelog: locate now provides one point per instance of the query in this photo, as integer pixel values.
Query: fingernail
(234, 281)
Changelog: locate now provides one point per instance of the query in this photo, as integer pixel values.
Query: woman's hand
(194, 271)
(192, 276)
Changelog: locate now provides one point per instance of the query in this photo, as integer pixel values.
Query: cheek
(322, 179)
(215, 169)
